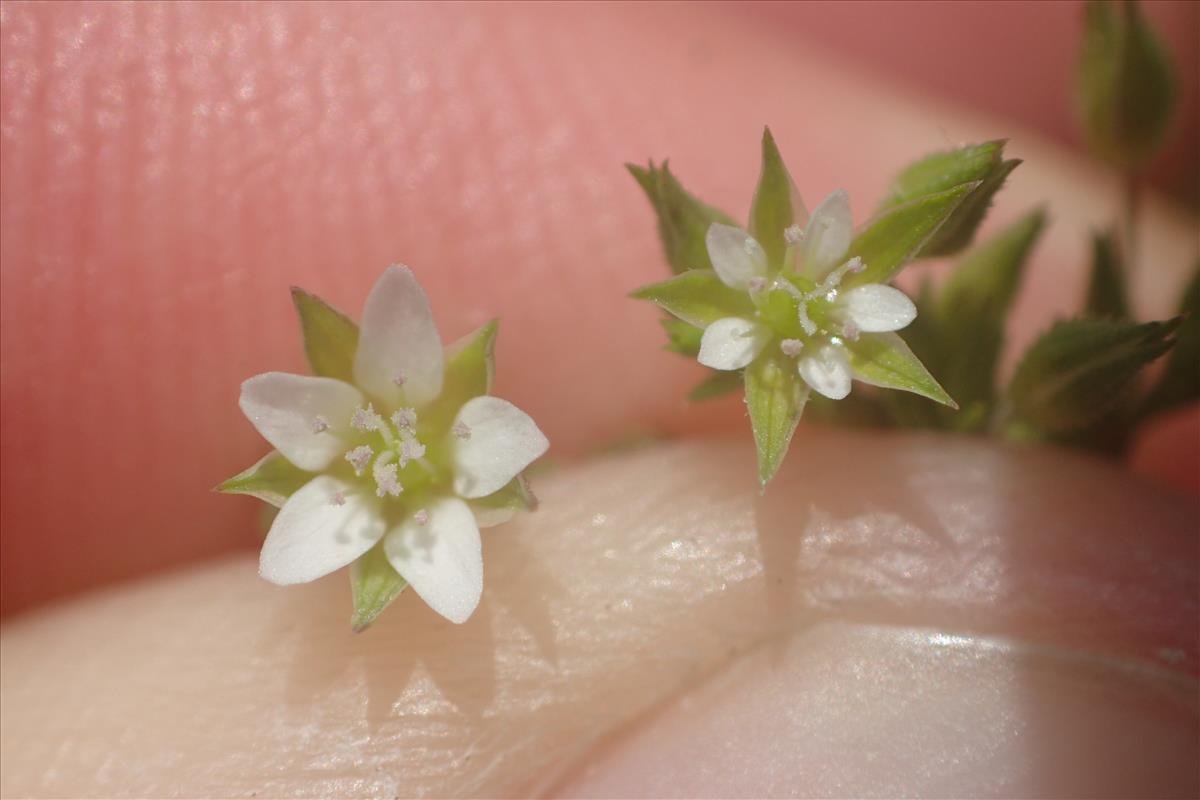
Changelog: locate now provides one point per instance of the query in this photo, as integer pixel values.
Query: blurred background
(168, 170)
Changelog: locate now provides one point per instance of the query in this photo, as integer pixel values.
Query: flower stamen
(385, 473)
(461, 430)
(319, 424)
(793, 235)
(791, 347)
(359, 457)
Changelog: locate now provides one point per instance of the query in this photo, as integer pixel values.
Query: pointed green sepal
(697, 297)
(884, 360)
(1106, 293)
(501, 506)
(776, 204)
(272, 479)
(715, 385)
(775, 397)
(470, 366)
(1125, 84)
(1077, 371)
(683, 221)
(1180, 379)
(682, 337)
(374, 584)
(330, 337)
(898, 234)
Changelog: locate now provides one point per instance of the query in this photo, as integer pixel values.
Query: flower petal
(442, 559)
(735, 255)
(300, 415)
(398, 343)
(502, 440)
(876, 308)
(827, 371)
(315, 534)
(828, 235)
(732, 343)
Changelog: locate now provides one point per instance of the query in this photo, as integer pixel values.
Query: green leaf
(1079, 370)
(972, 310)
(374, 584)
(683, 338)
(775, 397)
(272, 479)
(898, 234)
(719, 383)
(980, 164)
(470, 367)
(1125, 84)
(501, 505)
(697, 297)
(884, 360)
(330, 337)
(683, 220)
(1180, 379)
(776, 205)
(1106, 294)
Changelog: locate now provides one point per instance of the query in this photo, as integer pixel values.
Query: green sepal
(981, 164)
(499, 506)
(884, 360)
(272, 479)
(683, 221)
(777, 204)
(720, 383)
(374, 584)
(697, 297)
(330, 337)
(1125, 84)
(972, 310)
(895, 236)
(1078, 370)
(1180, 379)
(775, 397)
(682, 337)
(1106, 293)
(470, 366)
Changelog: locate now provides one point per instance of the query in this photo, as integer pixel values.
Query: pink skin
(168, 171)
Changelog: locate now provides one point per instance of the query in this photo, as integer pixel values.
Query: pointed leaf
(1125, 84)
(973, 308)
(272, 479)
(898, 234)
(716, 385)
(1180, 380)
(698, 297)
(775, 397)
(1078, 370)
(776, 203)
(682, 337)
(959, 230)
(470, 367)
(682, 219)
(330, 337)
(374, 584)
(1106, 294)
(884, 360)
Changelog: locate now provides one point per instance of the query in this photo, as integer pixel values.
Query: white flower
(383, 476)
(827, 316)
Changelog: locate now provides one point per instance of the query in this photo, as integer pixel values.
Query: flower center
(815, 308)
(396, 446)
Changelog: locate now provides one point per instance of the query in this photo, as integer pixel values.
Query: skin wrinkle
(596, 610)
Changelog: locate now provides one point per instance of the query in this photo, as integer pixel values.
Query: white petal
(441, 559)
(876, 308)
(735, 255)
(732, 343)
(314, 534)
(398, 342)
(502, 441)
(289, 411)
(827, 371)
(827, 238)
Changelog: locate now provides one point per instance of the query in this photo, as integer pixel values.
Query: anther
(850, 331)
(386, 480)
(405, 419)
(338, 499)
(359, 457)
(461, 430)
(319, 425)
(410, 450)
(365, 419)
(748, 246)
(757, 284)
(793, 235)
(791, 347)
(421, 517)
(855, 266)
(399, 379)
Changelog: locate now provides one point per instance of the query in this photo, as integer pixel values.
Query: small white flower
(828, 316)
(320, 424)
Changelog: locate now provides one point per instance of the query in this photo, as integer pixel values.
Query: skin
(179, 190)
